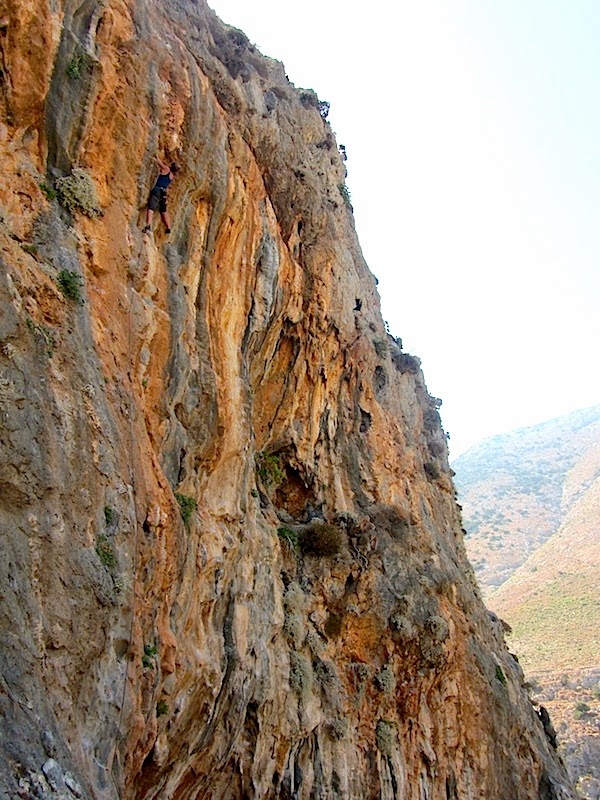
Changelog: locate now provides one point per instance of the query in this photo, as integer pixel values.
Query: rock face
(233, 563)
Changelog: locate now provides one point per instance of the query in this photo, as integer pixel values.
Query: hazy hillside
(553, 601)
(532, 513)
(553, 605)
(518, 488)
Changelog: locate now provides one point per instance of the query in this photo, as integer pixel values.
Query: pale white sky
(473, 136)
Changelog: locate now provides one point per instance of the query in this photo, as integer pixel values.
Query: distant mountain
(531, 509)
(517, 490)
(552, 602)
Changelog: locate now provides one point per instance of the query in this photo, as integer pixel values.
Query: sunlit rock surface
(312, 629)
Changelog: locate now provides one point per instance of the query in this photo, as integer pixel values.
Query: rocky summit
(233, 562)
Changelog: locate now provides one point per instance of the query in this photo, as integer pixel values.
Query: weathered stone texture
(251, 651)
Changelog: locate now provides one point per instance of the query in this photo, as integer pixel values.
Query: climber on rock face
(158, 196)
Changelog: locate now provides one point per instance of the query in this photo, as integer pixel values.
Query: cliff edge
(233, 563)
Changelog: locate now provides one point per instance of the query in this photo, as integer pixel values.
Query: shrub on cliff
(150, 652)
(301, 674)
(402, 626)
(162, 708)
(77, 193)
(238, 37)
(384, 736)
(386, 680)
(78, 66)
(106, 552)
(70, 284)
(187, 506)
(310, 99)
(49, 191)
(431, 419)
(432, 470)
(345, 192)
(289, 537)
(500, 676)
(321, 539)
(270, 470)
(405, 363)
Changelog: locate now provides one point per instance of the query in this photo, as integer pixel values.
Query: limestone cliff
(233, 563)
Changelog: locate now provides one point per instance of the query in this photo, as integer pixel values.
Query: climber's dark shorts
(158, 200)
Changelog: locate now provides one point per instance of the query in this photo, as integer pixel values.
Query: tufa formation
(233, 563)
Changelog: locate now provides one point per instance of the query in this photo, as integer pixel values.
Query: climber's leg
(149, 215)
(167, 222)
(154, 203)
(164, 214)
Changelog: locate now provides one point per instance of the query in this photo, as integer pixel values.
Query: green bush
(432, 470)
(321, 539)
(70, 284)
(385, 680)
(309, 99)
(345, 192)
(384, 736)
(326, 674)
(405, 363)
(270, 470)
(49, 191)
(438, 627)
(78, 66)
(581, 711)
(162, 708)
(77, 193)
(150, 652)
(187, 506)
(106, 552)
(238, 37)
(300, 673)
(109, 515)
(402, 626)
(431, 419)
(500, 675)
(360, 670)
(436, 448)
(30, 248)
(289, 536)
